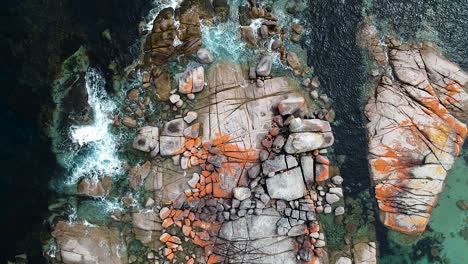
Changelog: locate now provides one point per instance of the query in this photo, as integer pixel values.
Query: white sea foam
(158, 6)
(102, 158)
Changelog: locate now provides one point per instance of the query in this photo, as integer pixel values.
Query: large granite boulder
(80, 243)
(287, 186)
(414, 134)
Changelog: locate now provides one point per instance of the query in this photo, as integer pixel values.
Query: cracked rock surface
(416, 129)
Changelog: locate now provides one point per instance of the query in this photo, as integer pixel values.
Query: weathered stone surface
(414, 136)
(146, 220)
(293, 60)
(365, 253)
(332, 198)
(174, 128)
(307, 165)
(297, 230)
(147, 139)
(94, 187)
(264, 245)
(129, 122)
(138, 174)
(192, 81)
(241, 113)
(205, 56)
(85, 244)
(308, 141)
(344, 260)
(162, 85)
(288, 185)
(276, 44)
(241, 193)
(170, 146)
(248, 36)
(291, 105)
(264, 66)
(309, 125)
(274, 165)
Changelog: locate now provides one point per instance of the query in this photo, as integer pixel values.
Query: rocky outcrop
(415, 132)
(95, 187)
(79, 243)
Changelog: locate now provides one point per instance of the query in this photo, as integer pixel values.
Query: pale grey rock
(174, 128)
(297, 230)
(190, 117)
(274, 165)
(332, 198)
(290, 105)
(174, 98)
(170, 146)
(307, 164)
(86, 244)
(192, 81)
(338, 180)
(264, 66)
(344, 260)
(242, 193)
(288, 185)
(205, 56)
(320, 243)
(339, 210)
(309, 125)
(308, 141)
(146, 220)
(291, 161)
(147, 139)
(194, 180)
(365, 253)
(336, 190)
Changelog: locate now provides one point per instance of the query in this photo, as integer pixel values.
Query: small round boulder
(204, 56)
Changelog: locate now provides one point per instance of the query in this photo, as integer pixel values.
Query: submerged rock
(95, 187)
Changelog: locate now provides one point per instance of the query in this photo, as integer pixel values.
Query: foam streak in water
(101, 159)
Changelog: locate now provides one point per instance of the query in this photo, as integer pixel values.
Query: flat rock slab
(253, 239)
(287, 186)
(240, 110)
(86, 244)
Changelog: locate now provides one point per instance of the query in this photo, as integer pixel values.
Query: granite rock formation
(416, 129)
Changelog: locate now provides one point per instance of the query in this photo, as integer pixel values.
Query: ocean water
(330, 40)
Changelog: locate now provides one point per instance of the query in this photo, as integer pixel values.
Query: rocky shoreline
(223, 161)
(238, 171)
